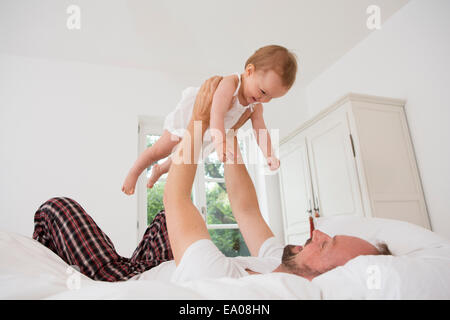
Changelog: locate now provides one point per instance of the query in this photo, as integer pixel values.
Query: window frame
(146, 126)
(199, 190)
(154, 126)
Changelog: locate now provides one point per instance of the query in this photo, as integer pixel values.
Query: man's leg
(155, 245)
(63, 226)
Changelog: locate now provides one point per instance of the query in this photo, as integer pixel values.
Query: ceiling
(188, 37)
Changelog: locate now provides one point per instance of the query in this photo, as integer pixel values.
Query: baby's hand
(273, 163)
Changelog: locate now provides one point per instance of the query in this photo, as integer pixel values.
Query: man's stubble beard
(289, 264)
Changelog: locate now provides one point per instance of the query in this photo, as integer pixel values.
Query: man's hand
(203, 101)
(202, 110)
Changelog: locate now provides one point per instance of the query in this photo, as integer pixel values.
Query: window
(154, 195)
(209, 196)
(216, 209)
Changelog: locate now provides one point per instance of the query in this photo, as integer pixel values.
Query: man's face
(322, 253)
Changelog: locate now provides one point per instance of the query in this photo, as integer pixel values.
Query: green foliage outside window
(155, 200)
(229, 241)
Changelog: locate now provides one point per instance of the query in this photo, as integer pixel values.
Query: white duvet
(420, 269)
(31, 271)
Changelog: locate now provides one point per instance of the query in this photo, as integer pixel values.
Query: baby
(269, 73)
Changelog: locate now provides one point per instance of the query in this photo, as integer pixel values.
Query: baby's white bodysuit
(177, 121)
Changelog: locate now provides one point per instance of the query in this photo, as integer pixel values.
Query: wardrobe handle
(311, 219)
(310, 210)
(316, 207)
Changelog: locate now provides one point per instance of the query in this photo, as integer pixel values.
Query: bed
(418, 269)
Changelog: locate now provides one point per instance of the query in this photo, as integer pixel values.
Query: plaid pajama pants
(63, 226)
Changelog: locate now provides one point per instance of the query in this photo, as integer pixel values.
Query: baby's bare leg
(157, 171)
(161, 149)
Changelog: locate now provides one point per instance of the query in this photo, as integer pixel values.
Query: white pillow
(418, 269)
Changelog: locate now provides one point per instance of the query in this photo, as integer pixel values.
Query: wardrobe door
(295, 181)
(390, 168)
(333, 167)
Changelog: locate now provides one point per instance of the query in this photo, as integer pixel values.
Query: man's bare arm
(244, 204)
(184, 223)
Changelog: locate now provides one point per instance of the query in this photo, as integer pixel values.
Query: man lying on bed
(62, 225)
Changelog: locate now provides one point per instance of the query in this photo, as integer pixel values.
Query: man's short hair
(383, 249)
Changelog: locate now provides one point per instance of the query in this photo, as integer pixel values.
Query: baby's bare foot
(156, 173)
(129, 184)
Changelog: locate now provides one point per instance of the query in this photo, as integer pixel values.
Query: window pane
(217, 204)
(230, 242)
(213, 167)
(155, 200)
(242, 148)
(151, 139)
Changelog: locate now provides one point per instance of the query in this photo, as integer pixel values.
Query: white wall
(70, 129)
(408, 59)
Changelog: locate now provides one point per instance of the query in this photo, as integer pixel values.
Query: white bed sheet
(420, 269)
(28, 270)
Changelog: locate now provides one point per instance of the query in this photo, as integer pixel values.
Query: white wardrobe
(354, 158)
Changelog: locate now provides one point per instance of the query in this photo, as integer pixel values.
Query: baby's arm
(220, 105)
(263, 137)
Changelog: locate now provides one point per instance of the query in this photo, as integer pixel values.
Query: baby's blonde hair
(278, 59)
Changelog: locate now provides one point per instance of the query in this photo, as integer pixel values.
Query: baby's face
(262, 86)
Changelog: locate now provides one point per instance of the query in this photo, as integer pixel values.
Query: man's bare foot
(129, 184)
(156, 173)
